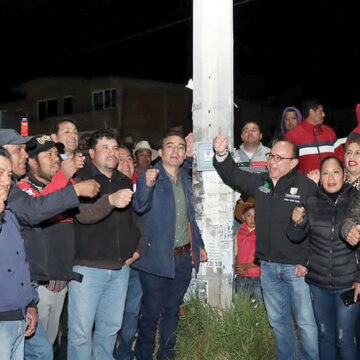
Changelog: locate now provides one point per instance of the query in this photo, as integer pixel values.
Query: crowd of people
(105, 243)
(73, 226)
(303, 193)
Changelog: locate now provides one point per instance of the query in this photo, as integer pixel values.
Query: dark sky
(284, 50)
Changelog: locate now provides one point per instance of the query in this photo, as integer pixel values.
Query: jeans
(38, 347)
(12, 336)
(161, 300)
(249, 285)
(285, 295)
(129, 327)
(100, 299)
(336, 323)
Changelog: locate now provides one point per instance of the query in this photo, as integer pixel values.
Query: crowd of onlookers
(102, 245)
(301, 258)
(111, 238)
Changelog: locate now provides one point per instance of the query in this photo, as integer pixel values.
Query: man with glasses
(282, 262)
(251, 154)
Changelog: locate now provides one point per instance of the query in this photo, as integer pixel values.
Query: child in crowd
(247, 271)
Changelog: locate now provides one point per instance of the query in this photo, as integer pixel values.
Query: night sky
(284, 51)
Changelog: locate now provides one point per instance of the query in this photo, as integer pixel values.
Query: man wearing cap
(16, 300)
(31, 211)
(50, 246)
(144, 154)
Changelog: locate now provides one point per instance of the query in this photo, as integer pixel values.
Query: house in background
(142, 108)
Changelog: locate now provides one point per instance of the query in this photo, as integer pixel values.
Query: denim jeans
(38, 347)
(336, 324)
(161, 300)
(12, 336)
(129, 327)
(285, 295)
(100, 299)
(249, 285)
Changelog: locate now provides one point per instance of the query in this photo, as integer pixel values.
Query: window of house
(104, 99)
(68, 105)
(47, 108)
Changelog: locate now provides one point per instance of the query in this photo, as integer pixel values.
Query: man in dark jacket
(163, 198)
(282, 262)
(50, 246)
(106, 244)
(31, 211)
(16, 300)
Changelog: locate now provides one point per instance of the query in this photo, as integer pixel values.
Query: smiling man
(16, 300)
(315, 140)
(164, 200)
(52, 244)
(251, 154)
(106, 244)
(66, 132)
(282, 262)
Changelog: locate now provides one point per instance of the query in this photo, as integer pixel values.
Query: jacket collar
(258, 149)
(283, 182)
(345, 189)
(310, 127)
(90, 168)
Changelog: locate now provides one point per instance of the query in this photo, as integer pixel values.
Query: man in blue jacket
(17, 308)
(163, 197)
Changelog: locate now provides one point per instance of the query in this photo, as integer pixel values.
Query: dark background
(284, 51)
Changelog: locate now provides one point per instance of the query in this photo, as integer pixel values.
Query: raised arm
(229, 172)
(144, 190)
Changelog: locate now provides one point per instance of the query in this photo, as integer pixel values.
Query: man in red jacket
(315, 140)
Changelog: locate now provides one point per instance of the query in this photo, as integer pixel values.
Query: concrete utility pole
(213, 115)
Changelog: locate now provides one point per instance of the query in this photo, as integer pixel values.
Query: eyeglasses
(277, 158)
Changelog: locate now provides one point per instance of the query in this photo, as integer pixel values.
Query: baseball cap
(43, 143)
(12, 137)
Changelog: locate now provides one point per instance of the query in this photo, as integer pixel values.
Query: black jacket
(30, 211)
(50, 245)
(332, 262)
(273, 209)
(108, 242)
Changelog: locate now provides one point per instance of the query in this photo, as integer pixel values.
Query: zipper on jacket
(317, 142)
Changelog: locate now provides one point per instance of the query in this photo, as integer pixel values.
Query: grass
(238, 332)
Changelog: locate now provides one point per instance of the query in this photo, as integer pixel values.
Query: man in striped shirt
(315, 140)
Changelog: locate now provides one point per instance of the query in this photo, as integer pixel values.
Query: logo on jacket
(292, 196)
(265, 188)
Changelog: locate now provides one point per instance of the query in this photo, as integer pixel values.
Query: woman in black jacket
(332, 263)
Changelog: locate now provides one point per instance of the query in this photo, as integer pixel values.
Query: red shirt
(246, 249)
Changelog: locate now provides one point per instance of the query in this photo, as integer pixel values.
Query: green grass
(240, 331)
